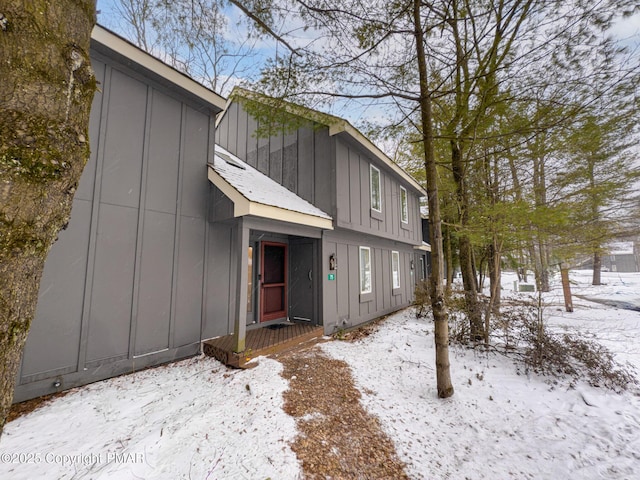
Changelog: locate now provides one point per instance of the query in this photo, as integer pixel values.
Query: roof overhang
(242, 206)
(131, 53)
(425, 247)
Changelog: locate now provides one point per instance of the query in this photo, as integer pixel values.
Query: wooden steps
(261, 341)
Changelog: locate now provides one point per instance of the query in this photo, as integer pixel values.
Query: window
(376, 191)
(365, 270)
(404, 205)
(395, 269)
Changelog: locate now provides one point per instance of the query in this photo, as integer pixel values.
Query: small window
(395, 269)
(376, 191)
(404, 205)
(365, 270)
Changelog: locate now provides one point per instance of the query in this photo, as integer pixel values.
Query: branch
(263, 25)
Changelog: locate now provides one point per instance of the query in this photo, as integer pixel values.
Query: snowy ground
(198, 420)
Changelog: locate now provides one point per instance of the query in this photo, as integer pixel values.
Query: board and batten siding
(343, 305)
(123, 286)
(300, 160)
(354, 197)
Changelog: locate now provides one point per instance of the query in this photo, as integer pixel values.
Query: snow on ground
(196, 420)
(500, 424)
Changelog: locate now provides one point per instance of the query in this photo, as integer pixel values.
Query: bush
(519, 333)
(567, 355)
(422, 298)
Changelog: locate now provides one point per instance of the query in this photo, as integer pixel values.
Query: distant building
(620, 257)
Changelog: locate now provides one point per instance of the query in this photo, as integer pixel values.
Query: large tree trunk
(440, 314)
(46, 89)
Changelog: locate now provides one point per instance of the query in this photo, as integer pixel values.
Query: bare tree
(194, 36)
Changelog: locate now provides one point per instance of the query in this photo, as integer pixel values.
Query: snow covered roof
(621, 248)
(254, 193)
(426, 247)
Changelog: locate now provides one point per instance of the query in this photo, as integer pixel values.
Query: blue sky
(627, 31)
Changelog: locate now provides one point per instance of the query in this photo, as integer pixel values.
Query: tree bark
(46, 89)
(495, 274)
(448, 255)
(465, 249)
(597, 269)
(440, 314)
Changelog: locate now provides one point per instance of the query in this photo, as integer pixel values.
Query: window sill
(377, 215)
(366, 297)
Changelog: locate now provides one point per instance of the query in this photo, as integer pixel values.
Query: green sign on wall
(331, 276)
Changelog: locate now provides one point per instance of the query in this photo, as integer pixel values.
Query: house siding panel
(218, 318)
(275, 159)
(386, 298)
(164, 151)
(263, 155)
(194, 175)
(289, 162)
(306, 164)
(61, 299)
(343, 183)
(112, 294)
(251, 140)
(233, 138)
(125, 134)
(156, 274)
(244, 133)
(324, 173)
(355, 184)
(189, 281)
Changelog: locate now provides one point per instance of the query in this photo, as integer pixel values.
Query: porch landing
(261, 341)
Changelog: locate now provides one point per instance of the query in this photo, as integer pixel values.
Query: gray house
(123, 287)
(355, 258)
(618, 257)
(174, 240)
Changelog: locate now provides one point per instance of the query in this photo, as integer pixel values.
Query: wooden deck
(261, 341)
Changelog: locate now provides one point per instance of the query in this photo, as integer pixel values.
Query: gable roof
(336, 126)
(126, 52)
(254, 193)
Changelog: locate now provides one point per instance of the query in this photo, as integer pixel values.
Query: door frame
(314, 279)
(284, 285)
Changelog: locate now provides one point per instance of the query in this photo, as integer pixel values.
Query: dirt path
(338, 438)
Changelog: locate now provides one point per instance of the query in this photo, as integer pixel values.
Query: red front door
(273, 284)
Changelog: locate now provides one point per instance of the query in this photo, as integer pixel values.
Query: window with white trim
(365, 270)
(376, 190)
(395, 269)
(404, 205)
